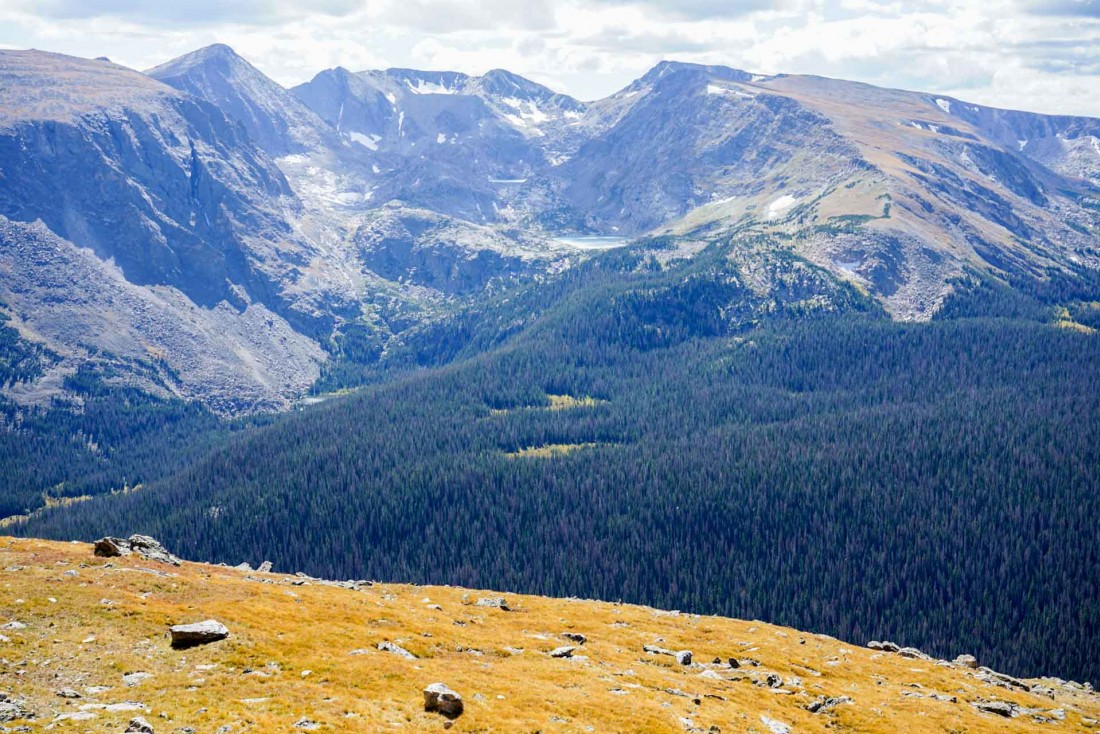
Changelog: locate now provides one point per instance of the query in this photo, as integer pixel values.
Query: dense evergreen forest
(667, 435)
(98, 438)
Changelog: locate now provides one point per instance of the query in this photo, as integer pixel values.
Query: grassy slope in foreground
(90, 621)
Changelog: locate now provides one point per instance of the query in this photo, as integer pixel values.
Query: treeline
(20, 360)
(98, 439)
(935, 484)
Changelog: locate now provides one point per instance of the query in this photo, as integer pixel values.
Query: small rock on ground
(396, 650)
(139, 725)
(438, 697)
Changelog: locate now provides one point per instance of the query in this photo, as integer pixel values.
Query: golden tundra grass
(552, 449)
(289, 657)
(555, 402)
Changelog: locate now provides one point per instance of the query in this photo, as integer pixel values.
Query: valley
(774, 347)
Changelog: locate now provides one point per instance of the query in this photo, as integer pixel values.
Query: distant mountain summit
(275, 120)
(141, 226)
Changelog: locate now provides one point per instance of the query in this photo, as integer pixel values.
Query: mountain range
(236, 230)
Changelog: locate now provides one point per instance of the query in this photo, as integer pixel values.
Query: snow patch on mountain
(780, 205)
(425, 87)
(367, 141)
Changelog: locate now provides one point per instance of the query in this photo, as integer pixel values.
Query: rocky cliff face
(158, 184)
(448, 255)
(236, 359)
(464, 146)
(162, 183)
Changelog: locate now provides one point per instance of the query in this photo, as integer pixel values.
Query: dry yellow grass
(551, 449)
(566, 402)
(289, 656)
(555, 402)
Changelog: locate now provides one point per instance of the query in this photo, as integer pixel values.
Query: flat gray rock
(199, 633)
(396, 650)
(1000, 708)
(495, 602)
(683, 657)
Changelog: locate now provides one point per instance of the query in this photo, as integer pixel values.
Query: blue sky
(1041, 55)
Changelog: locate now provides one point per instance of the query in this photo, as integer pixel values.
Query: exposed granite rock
(1000, 708)
(138, 725)
(683, 657)
(142, 545)
(198, 633)
(390, 647)
(439, 698)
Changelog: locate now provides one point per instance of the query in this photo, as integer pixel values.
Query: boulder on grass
(441, 699)
(139, 725)
(199, 633)
(967, 661)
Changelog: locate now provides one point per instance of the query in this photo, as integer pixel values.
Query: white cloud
(1035, 54)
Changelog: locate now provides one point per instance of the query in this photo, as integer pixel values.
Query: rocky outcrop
(13, 709)
(141, 545)
(1000, 708)
(884, 646)
(821, 704)
(913, 653)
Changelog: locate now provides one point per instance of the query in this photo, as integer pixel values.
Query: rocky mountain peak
(666, 70)
(275, 119)
(503, 84)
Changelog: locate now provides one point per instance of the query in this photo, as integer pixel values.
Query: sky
(1040, 55)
